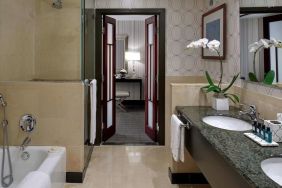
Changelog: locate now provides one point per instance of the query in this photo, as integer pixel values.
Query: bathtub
(48, 159)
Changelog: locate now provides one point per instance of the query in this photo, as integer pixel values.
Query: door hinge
(103, 30)
(158, 128)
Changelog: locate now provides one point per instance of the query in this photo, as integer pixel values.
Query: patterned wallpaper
(183, 24)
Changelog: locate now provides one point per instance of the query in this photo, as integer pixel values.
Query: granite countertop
(239, 151)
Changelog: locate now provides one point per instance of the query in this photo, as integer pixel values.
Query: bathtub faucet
(25, 143)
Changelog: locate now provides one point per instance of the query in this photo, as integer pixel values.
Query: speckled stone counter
(239, 151)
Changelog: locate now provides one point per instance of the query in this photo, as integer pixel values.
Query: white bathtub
(48, 159)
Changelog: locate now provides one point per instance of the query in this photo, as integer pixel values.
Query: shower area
(46, 56)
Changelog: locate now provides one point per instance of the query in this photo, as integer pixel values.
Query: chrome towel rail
(186, 122)
(87, 82)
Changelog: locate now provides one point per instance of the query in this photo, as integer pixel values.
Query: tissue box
(276, 129)
(279, 116)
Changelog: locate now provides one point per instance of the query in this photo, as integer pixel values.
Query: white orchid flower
(255, 46)
(201, 43)
(213, 45)
(276, 43)
(266, 43)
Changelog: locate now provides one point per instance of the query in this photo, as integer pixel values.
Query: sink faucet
(251, 112)
(25, 143)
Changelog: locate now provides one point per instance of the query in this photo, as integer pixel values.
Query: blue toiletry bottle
(262, 132)
(258, 129)
(268, 135)
(255, 127)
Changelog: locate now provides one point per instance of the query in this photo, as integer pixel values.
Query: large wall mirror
(266, 64)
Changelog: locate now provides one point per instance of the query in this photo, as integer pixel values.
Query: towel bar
(186, 122)
(87, 82)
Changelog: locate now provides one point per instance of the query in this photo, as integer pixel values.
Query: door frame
(161, 64)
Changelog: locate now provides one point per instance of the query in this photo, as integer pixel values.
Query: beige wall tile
(75, 158)
(58, 108)
(57, 41)
(17, 39)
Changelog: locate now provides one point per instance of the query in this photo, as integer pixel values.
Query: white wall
(89, 3)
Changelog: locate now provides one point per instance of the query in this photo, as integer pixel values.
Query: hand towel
(177, 139)
(93, 101)
(36, 179)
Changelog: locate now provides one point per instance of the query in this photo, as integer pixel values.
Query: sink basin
(272, 168)
(227, 123)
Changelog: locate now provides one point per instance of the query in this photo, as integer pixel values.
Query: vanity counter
(239, 152)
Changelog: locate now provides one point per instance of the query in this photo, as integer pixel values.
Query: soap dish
(260, 141)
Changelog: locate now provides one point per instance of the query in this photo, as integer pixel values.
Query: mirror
(262, 64)
(121, 48)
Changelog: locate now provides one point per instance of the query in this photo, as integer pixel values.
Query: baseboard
(186, 178)
(74, 177)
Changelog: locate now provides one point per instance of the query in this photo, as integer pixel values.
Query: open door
(109, 57)
(151, 77)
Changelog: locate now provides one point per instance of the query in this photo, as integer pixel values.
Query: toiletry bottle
(268, 135)
(254, 127)
(262, 132)
(258, 129)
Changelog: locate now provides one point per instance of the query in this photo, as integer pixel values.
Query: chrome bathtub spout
(25, 143)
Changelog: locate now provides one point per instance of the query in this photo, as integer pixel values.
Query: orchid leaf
(213, 88)
(205, 88)
(231, 83)
(269, 78)
(209, 79)
(252, 77)
(234, 98)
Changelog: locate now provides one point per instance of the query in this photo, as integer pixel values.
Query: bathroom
(46, 57)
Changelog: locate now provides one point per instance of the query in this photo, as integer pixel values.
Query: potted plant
(255, 48)
(220, 100)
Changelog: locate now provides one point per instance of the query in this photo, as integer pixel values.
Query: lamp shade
(132, 56)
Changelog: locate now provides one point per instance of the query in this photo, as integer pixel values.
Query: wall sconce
(133, 56)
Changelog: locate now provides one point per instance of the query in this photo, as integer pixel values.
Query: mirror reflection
(261, 52)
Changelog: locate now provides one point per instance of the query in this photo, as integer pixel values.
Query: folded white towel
(93, 100)
(35, 179)
(177, 139)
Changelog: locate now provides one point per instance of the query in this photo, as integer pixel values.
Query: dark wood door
(151, 78)
(109, 58)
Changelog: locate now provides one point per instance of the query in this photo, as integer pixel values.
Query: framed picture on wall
(214, 28)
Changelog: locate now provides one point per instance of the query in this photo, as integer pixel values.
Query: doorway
(114, 102)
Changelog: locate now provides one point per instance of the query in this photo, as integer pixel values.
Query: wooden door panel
(109, 57)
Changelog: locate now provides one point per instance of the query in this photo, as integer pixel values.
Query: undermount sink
(272, 168)
(227, 123)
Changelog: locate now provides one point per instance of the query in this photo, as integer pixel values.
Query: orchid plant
(255, 48)
(214, 46)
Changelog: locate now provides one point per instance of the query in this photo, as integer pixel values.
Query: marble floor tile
(127, 167)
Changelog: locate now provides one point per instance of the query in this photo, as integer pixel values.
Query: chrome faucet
(25, 143)
(251, 112)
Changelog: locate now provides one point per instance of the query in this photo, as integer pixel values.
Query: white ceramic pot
(220, 103)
